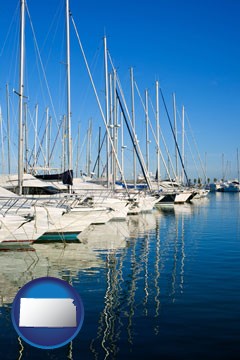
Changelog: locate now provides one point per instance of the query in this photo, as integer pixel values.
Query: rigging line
(192, 155)
(195, 143)
(188, 142)
(174, 136)
(165, 145)
(29, 114)
(56, 15)
(40, 142)
(12, 108)
(56, 137)
(13, 58)
(2, 143)
(150, 123)
(40, 148)
(9, 29)
(41, 82)
(98, 101)
(76, 147)
(5, 136)
(62, 76)
(5, 131)
(93, 66)
(140, 156)
(95, 142)
(41, 63)
(97, 159)
(131, 134)
(82, 147)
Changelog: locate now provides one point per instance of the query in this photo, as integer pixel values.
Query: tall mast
(99, 150)
(175, 132)
(63, 144)
(49, 142)
(20, 92)
(122, 142)
(35, 137)
(237, 166)
(223, 170)
(78, 151)
(147, 131)
(2, 145)
(106, 107)
(133, 126)
(46, 141)
(205, 167)
(183, 134)
(115, 127)
(158, 134)
(69, 135)
(88, 152)
(26, 137)
(8, 129)
(111, 157)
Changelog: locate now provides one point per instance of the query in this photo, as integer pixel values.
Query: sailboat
(33, 216)
(22, 221)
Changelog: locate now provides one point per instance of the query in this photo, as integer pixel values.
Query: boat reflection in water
(18, 268)
(131, 269)
(140, 281)
(58, 259)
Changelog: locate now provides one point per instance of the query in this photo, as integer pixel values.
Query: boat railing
(17, 204)
(88, 197)
(97, 195)
(13, 204)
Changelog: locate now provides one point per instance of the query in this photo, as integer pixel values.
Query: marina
(108, 183)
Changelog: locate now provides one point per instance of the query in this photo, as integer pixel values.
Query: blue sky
(191, 47)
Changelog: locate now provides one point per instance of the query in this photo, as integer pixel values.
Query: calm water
(162, 285)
